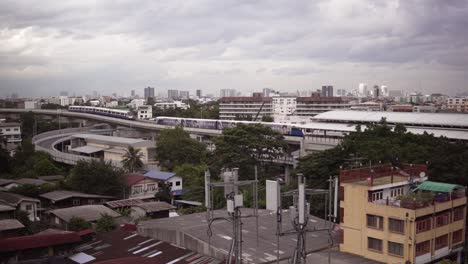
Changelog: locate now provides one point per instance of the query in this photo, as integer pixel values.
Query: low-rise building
(20, 202)
(135, 103)
(62, 199)
(140, 186)
(234, 107)
(6, 211)
(170, 178)
(24, 181)
(10, 133)
(459, 104)
(314, 105)
(151, 210)
(60, 218)
(395, 215)
(31, 105)
(145, 112)
(10, 228)
(172, 105)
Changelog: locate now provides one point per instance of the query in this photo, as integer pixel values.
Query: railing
(380, 171)
(420, 203)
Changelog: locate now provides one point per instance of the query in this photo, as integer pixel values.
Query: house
(20, 202)
(140, 186)
(151, 210)
(126, 203)
(24, 181)
(90, 213)
(396, 215)
(61, 199)
(40, 247)
(170, 178)
(6, 211)
(10, 228)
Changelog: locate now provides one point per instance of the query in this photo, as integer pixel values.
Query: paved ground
(266, 249)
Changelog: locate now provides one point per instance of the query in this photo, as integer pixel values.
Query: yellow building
(396, 215)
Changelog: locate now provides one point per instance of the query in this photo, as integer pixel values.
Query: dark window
(457, 236)
(442, 219)
(177, 183)
(341, 193)
(375, 195)
(458, 213)
(423, 225)
(423, 248)
(396, 225)
(76, 201)
(374, 244)
(441, 242)
(341, 215)
(28, 207)
(395, 248)
(375, 221)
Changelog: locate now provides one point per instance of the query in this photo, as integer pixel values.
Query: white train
(125, 114)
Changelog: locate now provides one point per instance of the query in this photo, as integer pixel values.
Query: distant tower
(327, 91)
(133, 93)
(172, 94)
(199, 93)
(149, 92)
(362, 89)
(384, 90)
(376, 91)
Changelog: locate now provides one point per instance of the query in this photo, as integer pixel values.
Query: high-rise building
(199, 93)
(384, 90)
(148, 92)
(341, 92)
(227, 93)
(376, 91)
(362, 90)
(184, 94)
(327, 91)
(396, 215)
(133, 93)
(173, 94)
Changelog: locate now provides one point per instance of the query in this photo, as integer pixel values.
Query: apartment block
(311, 106)
(232, 107)
(459, 104)
(396, 215)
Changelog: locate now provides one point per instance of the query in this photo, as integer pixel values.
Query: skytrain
(125, 114)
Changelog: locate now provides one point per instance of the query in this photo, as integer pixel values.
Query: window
(458, 213)
(375, 221)
(341, 193)
(457, 236)
(442, 219)
(137, 189)
(423, 248)
(170, 184)
(76, 201)
(395, 249)
(8, 129)
(177, 183)
(377, 195)
(441, 242)
(90, 201)
(374, 244)
(396, 225)
(151, 187)
(16, 129)
(341, 215)
(28, 207)
(423, 225)
(395, 192)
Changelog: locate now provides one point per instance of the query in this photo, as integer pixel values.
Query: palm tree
(132, 159)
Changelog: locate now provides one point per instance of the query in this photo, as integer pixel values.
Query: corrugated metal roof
(61, 195)
(154, 206)
(429, 119)
(159, 175)
(437, 186)
(10, 224)
(88, 149)
(89, 213)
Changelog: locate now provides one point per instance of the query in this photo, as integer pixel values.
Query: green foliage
(5, 162)
(416, 200)
(245, 145)
(132, 159)
(29, 227)
(267, 118)
(105, 224)
(45, 167)
(164, 193)
(194, 181)
(191, 210)
(125, 212)
(31, 190)
(174, 147)
(448, 261)
(78, 224)
(196, 110)
(98, 177)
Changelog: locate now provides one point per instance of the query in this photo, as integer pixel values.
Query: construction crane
(259, 110)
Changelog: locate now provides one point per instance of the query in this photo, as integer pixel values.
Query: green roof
(437, 186)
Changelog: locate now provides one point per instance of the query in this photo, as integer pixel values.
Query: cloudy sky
(119, 45)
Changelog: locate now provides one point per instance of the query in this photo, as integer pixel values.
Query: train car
(124, 114)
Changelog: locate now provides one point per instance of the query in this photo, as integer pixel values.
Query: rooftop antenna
(234, 203)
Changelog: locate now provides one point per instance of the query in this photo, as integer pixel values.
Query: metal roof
(160, 175)
(62, 195)
(89, 213)
(10, 224)
(14, 199)
(151, 207)
(437, 186)
(88, 149)
(428, 119)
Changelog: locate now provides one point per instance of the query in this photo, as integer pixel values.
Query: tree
(45, 167)
(164, 193)
(249, 145)
(31, 190)
(78, 224)
(132, 160)
(23, 218)
(175, 147)
(105, 224)
(266, 118)
(98, 177)
(194, 181)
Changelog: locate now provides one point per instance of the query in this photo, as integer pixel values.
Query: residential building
(111, 104)
(232, 107)
(459, 104)
(227, 93)
(151, 210)
(173, 94)
(11, 133)
(184, 94)
(327, 91)
(140, 186)
(400, 108)
(172, 105)
(135, 103)
(31, 105)
(60, 218)
(284, 105)
(424, 108)
(111, 148)
(395, 215)
(10, 228)
(171, 179)
(145, 112)
(376, 91)
(148, 92)
(310, 106)
(63, 199)
(20, 202)
(18, 182)
(7, 211)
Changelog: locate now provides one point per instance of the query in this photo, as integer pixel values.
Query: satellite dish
(422, 174)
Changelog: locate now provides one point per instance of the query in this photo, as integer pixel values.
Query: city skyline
(81, 46)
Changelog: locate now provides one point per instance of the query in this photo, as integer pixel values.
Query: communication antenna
(234, 203)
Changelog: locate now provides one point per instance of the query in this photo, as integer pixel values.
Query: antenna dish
(422, 174)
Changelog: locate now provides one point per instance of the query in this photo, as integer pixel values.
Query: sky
(81, 46)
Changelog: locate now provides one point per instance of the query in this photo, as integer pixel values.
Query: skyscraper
(199, 93)
(184, 94)
(173, 94)
(149, 92)
(376, 91)
(227, 93)
(327, 91)
(362, 89)
(133, 93)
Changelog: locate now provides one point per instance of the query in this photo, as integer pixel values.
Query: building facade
(311, 106)
(10, 134)
(227, 93)
(234, 107)
(284, 105)
(172, 94)
(327, 91)
(148, 92)
(459, 104)
(395, 215)
(145, 112)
